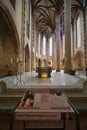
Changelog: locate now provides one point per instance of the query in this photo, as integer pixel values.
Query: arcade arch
(79, 60)
(9, 43)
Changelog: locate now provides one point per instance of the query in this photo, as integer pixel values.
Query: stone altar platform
(58, 80)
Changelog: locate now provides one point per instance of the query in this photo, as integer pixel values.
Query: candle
(17, 60)
(11, 60)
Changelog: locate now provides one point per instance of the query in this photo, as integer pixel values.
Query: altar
(44, 72)
(47, 105)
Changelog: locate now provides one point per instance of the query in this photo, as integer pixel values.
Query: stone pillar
(47, 48)
(32, 45)
(54, 53)
(37, 47)
(57, 33)
(61, 53)
(41, 46)
(85, 35)
(30, 15)
(61, 40)
(37, 37)
(67, 27)
(21, 65)
(34, 49)
(72, 46)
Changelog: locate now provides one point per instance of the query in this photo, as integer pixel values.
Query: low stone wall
(85, 87)
(3, 87)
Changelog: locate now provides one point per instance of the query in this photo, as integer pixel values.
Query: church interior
(43, 46)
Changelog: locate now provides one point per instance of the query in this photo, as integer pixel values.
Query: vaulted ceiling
(5, 25)
(44, 13)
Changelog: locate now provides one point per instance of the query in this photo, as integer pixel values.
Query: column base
(57, 70)
(68, 71)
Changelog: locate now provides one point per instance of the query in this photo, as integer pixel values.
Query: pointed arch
(79, 60)
(9, 40)
(11, 23)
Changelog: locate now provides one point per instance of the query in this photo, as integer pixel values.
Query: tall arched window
(78, 32)
(44, 45)
(39, 40)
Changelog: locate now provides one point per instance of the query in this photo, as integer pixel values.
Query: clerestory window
(50, 46)
(78, 32)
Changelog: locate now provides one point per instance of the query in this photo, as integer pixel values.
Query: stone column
(37, 37)
(47, 48)
(61, 52)
(54, 53)
(67, 27)
(30, 15)
(41, 46)
(21, 65)
(61, 40)
(32, 45)
(57, 33)
(72, 46)
(85, 35)
(35, 46)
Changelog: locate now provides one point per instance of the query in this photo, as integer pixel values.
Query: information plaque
(44, 105)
